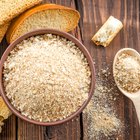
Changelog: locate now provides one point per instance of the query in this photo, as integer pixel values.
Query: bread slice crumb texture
(44, 16)
(11, 8)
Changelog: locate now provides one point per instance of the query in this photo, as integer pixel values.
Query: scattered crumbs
(100, 113)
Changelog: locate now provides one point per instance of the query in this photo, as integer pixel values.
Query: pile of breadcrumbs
(46, 78)
(127, 72)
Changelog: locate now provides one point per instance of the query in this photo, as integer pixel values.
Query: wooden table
(93, 15)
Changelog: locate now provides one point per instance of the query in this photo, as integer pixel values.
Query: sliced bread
(11, 8)
(3, 29)
(43, 16)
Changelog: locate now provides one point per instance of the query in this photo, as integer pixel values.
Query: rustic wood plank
(9, 129)
(95, 12)
(29, 131)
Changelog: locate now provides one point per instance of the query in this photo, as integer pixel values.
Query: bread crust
(4, 110)
(3, 29)
(6, 16)
(19, 20)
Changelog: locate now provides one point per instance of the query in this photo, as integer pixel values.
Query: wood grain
(93, 15)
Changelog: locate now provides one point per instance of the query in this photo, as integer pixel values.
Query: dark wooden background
(93, 15)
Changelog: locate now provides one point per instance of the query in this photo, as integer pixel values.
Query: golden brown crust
(18, 21)
(3, 29)
(10, 12)
(107, 32)
(4, 110)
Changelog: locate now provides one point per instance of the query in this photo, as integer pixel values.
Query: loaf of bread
(11, 8)
(3, 29)
(107, 32)
(43, 16)
(4, 112)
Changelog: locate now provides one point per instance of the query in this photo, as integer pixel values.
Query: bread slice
(11, 8)
(3, 29)
(44, 16)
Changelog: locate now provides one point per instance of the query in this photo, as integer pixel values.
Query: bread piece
(4, 110)
(44, 16)
(3, 29)
(107, 32)
(11, 8)
(1, 118)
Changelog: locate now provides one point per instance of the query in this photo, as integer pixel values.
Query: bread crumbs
(46, 78)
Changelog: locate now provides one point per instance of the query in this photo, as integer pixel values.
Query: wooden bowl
(40, 32)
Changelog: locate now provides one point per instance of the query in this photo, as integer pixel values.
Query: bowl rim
(41, 32)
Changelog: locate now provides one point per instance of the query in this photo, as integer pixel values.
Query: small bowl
(55, 32)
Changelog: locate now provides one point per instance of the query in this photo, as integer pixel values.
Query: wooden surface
(93, 15)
